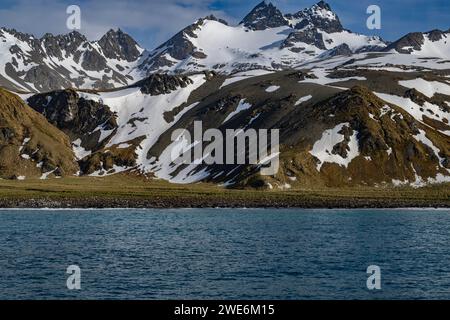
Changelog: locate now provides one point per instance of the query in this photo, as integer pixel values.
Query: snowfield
(236, 47)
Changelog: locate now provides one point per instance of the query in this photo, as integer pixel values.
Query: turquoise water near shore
(225, 253)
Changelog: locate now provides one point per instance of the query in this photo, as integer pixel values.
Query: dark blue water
(225, 254)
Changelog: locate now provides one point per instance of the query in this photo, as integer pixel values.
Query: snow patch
(418, 112)
(323, 148)
(421, 137)
(241, 107)
(272, 89)
(240, 76)
(79, 151)
(303, 99)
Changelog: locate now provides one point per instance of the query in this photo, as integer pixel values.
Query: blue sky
(151, 22)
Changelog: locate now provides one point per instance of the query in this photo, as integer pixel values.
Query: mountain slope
(334, 130)
(327, 138)
(29, 145)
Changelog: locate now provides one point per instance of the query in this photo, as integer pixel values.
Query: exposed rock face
(308, 36)
(436, 35)
(104, 162)
(407, 44)
(342, 148)
(120, 46)
(370, 48)
(214, 18)
(341, 50)
(158, 84)
(44, 78)
(265, 15)
(63, 46)
(416, 96)
(93, 60)
(30, 147)
(79, 118)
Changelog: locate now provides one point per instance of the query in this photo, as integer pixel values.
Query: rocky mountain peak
(54, 45)
(265, 15)
(436, 35)
(74, 35)
(323, 5)
(70, 41)
(119, 45)
(19, 35)
(214, 18)
(319, 16)
(407, 44)
(77, 36)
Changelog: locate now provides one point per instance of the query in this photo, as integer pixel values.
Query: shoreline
(93, 204)
(237, 208)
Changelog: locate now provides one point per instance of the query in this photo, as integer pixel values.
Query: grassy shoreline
(138, 192)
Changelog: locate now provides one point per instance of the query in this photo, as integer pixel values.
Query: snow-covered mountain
(265, 39)
(63, 61)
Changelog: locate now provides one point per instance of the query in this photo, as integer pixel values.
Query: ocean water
(225, 254)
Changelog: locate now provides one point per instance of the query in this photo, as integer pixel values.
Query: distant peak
(69, 36)
(117, 44)
(76, 34)
(264, 16)
(117, 35)
(212, 17)
(322, 4)
(266, 3)
(114, 32)
(319, 16)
